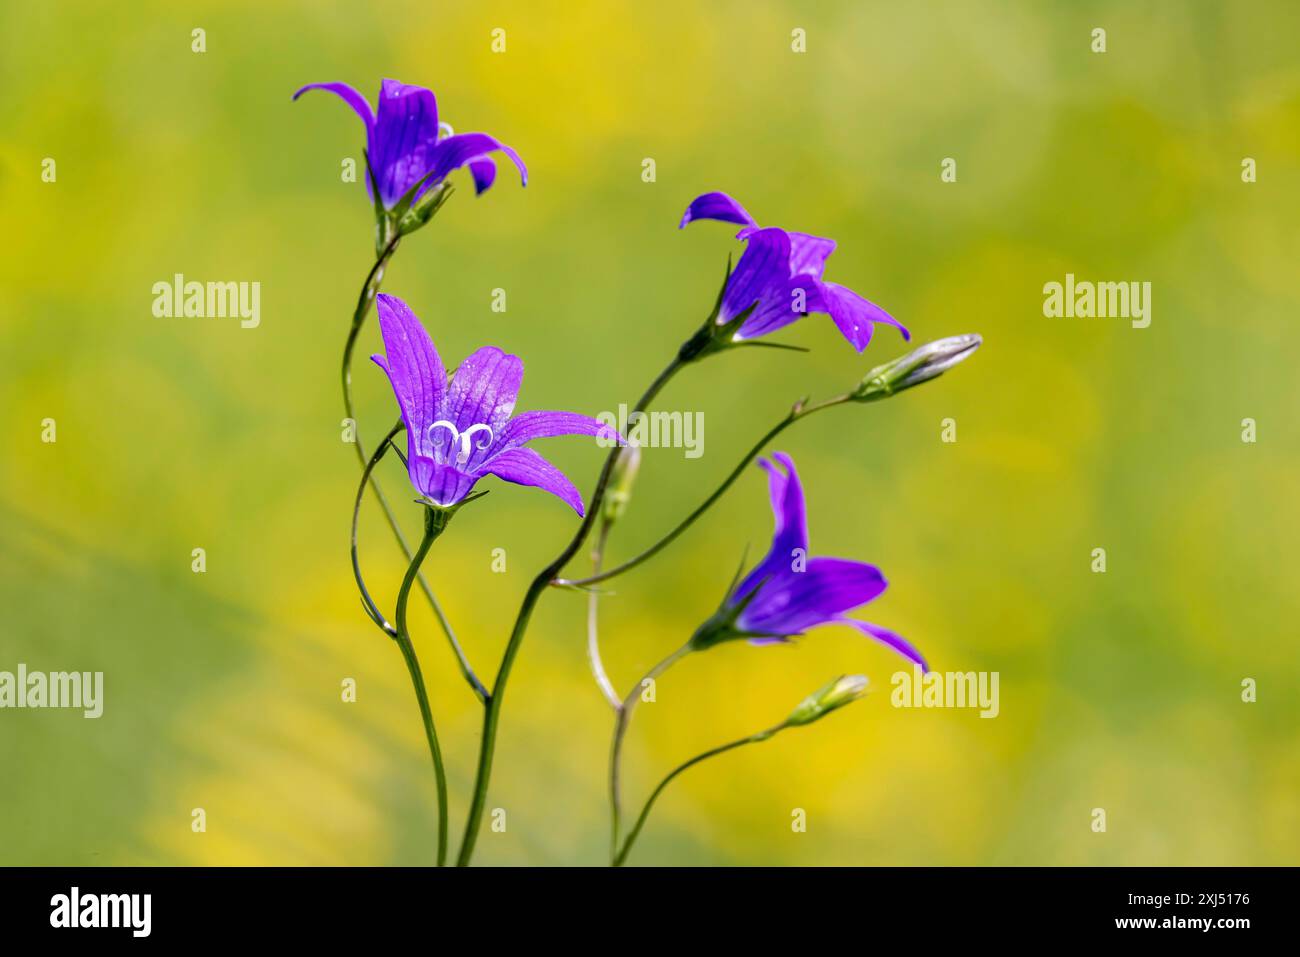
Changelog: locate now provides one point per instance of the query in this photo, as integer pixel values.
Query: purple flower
(787, 592)
(458, 433)
(406, 143)
(780, 276)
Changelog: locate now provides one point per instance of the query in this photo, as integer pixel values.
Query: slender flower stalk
(880, 383)
(693, 349)
(435, 520)
(372, 610)
(620, 854)
(621, 723)
(593, 623)
(830, 697)
(794, 415)
(616, 501)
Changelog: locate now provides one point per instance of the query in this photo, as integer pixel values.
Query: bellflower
(787, 592)
(458, 433)
(780, 277)
(405, 142)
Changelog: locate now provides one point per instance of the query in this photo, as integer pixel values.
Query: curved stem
(790, 419)
(370, 289)
(593, 629)
(432, 528)
(621, 855)
(620, 732)
(371, 609)
(492, 714)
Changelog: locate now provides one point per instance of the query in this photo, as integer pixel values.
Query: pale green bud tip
(845, 689)
(920, 365)
(621, 480)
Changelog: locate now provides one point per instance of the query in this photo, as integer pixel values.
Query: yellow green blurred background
(1119, 691)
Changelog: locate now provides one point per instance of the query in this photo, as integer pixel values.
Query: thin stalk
(372, 610)
(621, 723)
(593, 625)
(432, 528)
(691, 350)
(621, 855)
(370, 289)
(790, 419)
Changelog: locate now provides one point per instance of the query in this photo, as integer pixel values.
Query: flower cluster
(461, 428)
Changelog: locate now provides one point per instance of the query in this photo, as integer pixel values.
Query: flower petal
(484, 171)
(484, 390)
(854, 316)
(791, 524)
(525, 467)
(895, 641)
(718, 206)
(791, 601)
(349, 96)
(454, 152)
(763, 273)
(414, 369)
(443, 484)
(808, 253)
(527, 426)
(406, 131)
(775, 310)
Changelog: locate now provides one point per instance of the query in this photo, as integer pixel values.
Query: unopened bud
(920, 365)
(621, 480)
(845, 689)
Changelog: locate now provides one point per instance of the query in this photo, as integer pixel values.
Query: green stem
(434, 523)
(621, 856)
(367, 602)
(790, 419)
(690, 351)
(621, 723)
(370, 289)
(593, 629)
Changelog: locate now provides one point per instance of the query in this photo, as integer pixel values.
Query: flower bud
(920, 365)
(845, 689)
(621, 480)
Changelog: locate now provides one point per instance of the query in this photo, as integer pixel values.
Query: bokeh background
(1119, 690)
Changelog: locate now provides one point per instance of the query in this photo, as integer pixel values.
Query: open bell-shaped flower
(788, 592)
(456, 434)
(407, 145)
(778, 280)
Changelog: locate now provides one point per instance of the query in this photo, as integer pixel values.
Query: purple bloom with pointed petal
(787, 592)
(780, 276)
(406, 143)
(458, 433)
